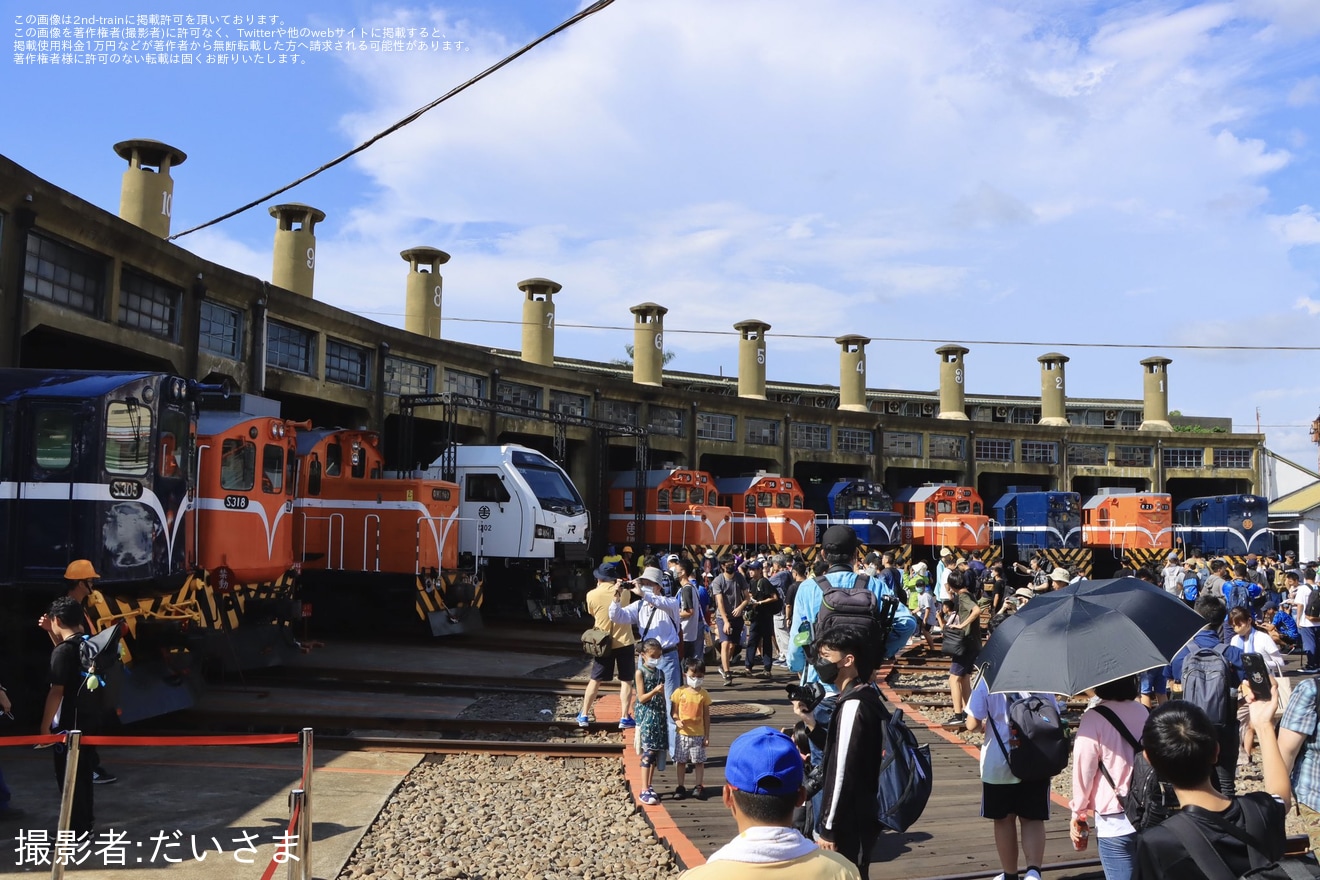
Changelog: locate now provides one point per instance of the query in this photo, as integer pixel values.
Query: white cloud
(1298, 228)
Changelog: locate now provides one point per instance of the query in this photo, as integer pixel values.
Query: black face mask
(826, 670)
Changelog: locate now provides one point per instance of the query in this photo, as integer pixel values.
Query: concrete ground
(170, 800)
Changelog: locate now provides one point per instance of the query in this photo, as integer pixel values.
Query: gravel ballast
(488, 817)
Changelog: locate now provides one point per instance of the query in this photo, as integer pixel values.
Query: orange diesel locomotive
(1124, 520)
(944, 515)
(243, 532)
(372, 551)
(767, 509)
(681, 508)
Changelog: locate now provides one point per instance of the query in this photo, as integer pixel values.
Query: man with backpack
(838, 549)
(74, 702)
(968, 631)
(1307, 602)
(851, 743)
(1017, 798)
(1210, 673)
(1213, 834)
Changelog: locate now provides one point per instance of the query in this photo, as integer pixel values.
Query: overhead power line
(411, 117)
(906, 339)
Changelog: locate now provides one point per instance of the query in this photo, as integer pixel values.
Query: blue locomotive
(1228, 525)
(1032, 520)
(99, 466)
(868, 508)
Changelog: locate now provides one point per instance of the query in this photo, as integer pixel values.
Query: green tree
(628, 361)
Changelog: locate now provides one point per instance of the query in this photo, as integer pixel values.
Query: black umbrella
(1088, 633)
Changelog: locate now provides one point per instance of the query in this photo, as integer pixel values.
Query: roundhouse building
(83, 288)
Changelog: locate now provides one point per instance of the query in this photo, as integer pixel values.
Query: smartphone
(1258, 676)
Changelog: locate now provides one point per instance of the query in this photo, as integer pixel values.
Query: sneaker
(699, 792)
(649, 797)
(680, 793)
(627, 723)
(728, 681)
(102, 776)
(958, 720)
(1032, 874)
(584, 721)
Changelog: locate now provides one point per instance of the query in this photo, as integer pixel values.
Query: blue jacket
(807, 604)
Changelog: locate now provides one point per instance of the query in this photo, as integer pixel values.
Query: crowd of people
(804, 797)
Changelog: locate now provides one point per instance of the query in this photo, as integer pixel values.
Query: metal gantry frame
(450, 403)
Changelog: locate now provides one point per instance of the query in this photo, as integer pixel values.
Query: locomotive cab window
(314, 476)
(964, 507)
(782, 500)
(930, 509)
(175, 444)
(763, 500)
(272, 469)
(52, 436)
(711, 498)
(486, 487)
(749, 504)
(679, 495)
(944, 506)
(290, 471)
(662, 500)
(334, 459)
(127, 438)
(238, 465)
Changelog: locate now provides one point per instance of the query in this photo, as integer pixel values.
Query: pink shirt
(1097, 741)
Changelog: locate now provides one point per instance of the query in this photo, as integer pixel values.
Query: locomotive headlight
(148, 393)
(547, 532)
(179, 388)
(280, 425)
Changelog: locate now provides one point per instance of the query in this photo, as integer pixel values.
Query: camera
(813, 780)
(809, 695)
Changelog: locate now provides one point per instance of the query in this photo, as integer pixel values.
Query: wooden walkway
(951, 840)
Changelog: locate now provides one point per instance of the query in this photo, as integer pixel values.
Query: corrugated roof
(1298, 502)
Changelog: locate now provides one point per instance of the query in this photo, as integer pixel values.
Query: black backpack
(856, 608)
(1039, 747)
(1212, 865)
(1312, 609)
(1206, 683)
(98, 656)
(906, 777)
(1150, 800)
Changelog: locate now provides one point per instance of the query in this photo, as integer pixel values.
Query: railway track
(414, 682)
(426, 745)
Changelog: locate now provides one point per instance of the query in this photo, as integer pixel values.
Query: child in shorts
(689, 708)
(652, 725)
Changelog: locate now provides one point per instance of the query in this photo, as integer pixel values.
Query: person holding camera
(851, 744)
(656, 617)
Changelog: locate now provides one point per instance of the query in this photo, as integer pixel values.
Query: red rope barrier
(49, 739)
(293, 825)
(253, 740)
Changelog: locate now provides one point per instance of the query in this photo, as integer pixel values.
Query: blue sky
(1018, 170)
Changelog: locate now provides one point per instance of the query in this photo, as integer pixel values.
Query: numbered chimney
(952, 382)
(852, 372)
(295, 247)
(1155, 400)
(648, 343)
(751, 358)
(1053, 395)
(146, 196)
(539, 320)
(425, 289)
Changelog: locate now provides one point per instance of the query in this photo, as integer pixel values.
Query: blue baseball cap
(764, 761)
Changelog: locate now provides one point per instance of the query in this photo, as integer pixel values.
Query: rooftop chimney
(852, 372)
(146, 197)
(1155, 399)
(751, 358)
(952, 382)
(648, 343)
(1053, 396)
(295, 247)
(538, 346)
(422, 310)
